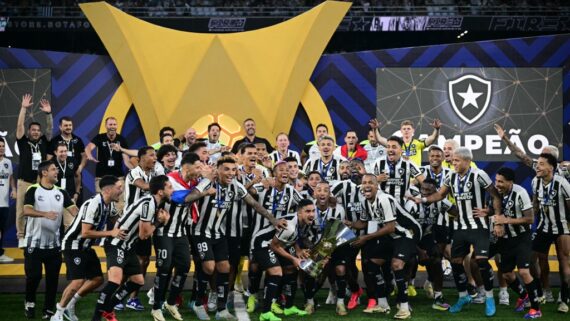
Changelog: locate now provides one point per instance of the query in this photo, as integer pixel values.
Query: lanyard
(110, 149)
(350, 154)
(546, 198)
(69, 144)
(64, 166)
(276, 203)
(408, 149)
(437, 177)
(219, 199)
(35, 147)
(324, 169)
(322, 220)
(458, 181)
(104, 214)
(279, 158)
(391, 167)
(506, 200)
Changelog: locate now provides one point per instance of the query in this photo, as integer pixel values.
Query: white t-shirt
(5, 173)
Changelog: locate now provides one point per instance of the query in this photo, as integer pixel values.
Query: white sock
(489, 294)
(462, 294)
(311, 301)
(501, 289)
(74, 299)
(59, 310)
(437, 294)
(412, 282)
(340, 301)
(404, 305)
(383, 302)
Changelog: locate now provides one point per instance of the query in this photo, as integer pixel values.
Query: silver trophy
(336, 234)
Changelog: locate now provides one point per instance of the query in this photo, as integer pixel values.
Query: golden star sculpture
(174, 77)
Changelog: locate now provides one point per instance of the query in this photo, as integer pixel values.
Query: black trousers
(33, 261)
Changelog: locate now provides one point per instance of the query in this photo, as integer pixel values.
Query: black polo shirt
(110, 161)
(256, 140)
(75, 148)
(67, 172)
(28, 166)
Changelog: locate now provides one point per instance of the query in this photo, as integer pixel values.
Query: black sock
(517, 287)
(387, 274)
(564, 291)
(104, 297)
(176, 287)
(289, 288)
(370, 278)
(254, 281)
(270, 293)
(400, 276)
(223, 286)
(160, 285)
(459, 276)
(352, 275)
(32, 284)
(533, 294)
(340, 286)
(126, 289)
(311, 287)
(486, 273)
(203, 281)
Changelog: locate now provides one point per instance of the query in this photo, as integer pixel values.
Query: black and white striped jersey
(469, 192)
(262, 238)
(132, 192)
(276, 156)
(384, 209)
(399, 176)
(278, 203)
(94, 212)
(314, 232)
(179, 213)
(350, 197)
(329, 171)
(431, 214)
(514, 204)
(143, 210)
(552, 197)
(215, 208)
(428, 172)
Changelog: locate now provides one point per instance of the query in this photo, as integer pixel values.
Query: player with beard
(311, 149)
(215, 200)
(328, 164)
(83, 265)
(250, 137)
(280, 199)
(347, 192)
(391, 235)
(515, 244)
(394, 173)
(430, 248)
(278, 253)
(374, 150)
(313, 179)
(139, 222)
(200, 149)
(471, 228)
(325, 211)
(413, 147)
(351, 149)
(551, 200)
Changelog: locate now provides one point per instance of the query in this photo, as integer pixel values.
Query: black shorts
(126, 260)
(210, 249)
(172, 252)
(542, 242)
(388, 248)
(234, 249)
(266, 258)
(344, 255)
(143, 247)
(430, 245)
(82, 264)
(442, 234)
(515, 251)
(463, 240)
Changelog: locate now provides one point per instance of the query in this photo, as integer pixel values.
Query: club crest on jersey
(401, 171)
(120, 260)
(57, 197)
(273, 259)
(231, 195)
(468, 185)
(510, 204)
(30, 250)
(77, 260)
(6, 165)
(71, 166)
